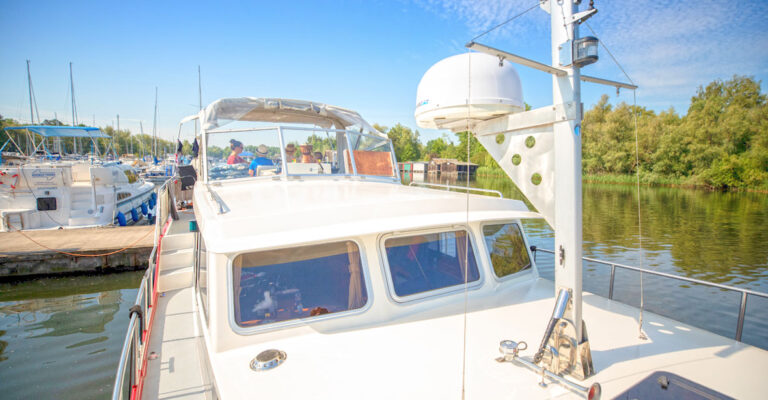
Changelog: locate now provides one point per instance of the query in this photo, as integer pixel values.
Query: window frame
(429, 294)
(255, 329)
(487, 252)
(204, 303)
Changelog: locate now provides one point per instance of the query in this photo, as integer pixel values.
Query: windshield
(265, 152)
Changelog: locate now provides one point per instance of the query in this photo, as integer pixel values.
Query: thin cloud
(669, 48)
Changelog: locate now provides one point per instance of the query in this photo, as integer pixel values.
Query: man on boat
(261, 159)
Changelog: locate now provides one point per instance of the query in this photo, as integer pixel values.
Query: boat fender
(136, 309)
(153, 197)
(144, 208)
(134, 215)
(121, 219)
(151, 202)
(151, 219)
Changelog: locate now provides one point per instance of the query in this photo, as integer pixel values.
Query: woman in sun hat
(290, 150)
(261, 159)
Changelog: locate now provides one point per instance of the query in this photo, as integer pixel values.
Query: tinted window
(432, 261)
(46, 203)
(280, 285)
(507, 249)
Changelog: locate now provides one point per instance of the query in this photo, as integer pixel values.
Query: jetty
(51, 251)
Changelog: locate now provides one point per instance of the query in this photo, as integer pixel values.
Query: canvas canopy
(62, 131)
(223, 111)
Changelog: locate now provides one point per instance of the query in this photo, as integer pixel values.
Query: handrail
(613, 265)
(135, 346)
(448, 187)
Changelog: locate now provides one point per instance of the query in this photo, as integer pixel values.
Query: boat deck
(177, 372)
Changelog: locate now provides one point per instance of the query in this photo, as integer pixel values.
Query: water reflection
(713, 236)
(62, 337)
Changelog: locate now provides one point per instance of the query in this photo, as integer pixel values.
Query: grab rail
(449, 187)
(131, 368)
(613, 265)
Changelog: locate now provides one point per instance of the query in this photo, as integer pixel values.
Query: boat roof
(62, 131)
(279, 213)
(223, 111)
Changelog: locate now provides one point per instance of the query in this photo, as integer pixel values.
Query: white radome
(444, 99)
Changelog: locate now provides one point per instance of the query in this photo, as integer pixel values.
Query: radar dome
(444, 100)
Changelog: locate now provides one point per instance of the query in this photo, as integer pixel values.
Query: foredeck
(422, 358)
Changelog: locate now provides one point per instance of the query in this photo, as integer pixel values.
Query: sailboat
(320, 276)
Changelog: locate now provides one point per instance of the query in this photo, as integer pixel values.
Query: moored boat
(314, 273)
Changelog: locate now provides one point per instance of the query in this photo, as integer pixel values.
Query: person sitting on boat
(290, 150)
(261, 159)
(237, 148)
(318, 156)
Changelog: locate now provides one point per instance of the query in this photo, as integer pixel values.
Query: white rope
(639, 219)
(466, 240)
(637, 174)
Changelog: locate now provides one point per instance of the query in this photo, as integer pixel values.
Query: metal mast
(154, 128)
(74, 106)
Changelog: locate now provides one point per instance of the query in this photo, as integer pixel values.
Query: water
(712, 236)
(60, 338)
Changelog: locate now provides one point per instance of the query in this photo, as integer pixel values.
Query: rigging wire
(602, 43)
(637, 183)
(505, 22)
(466, 239)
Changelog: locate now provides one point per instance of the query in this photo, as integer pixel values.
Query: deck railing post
(610, 286)
(742, 311)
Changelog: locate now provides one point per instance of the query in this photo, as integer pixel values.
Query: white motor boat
(46, 193)
(321, 276)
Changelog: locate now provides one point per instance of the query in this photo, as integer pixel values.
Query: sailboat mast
(29, 86)
(74, 107)
(154, 128)
(141, 141)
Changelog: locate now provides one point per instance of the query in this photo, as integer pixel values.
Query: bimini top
(62, 131)
(223, 111)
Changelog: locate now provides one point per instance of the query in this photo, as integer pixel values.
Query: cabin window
(422, 263)
(506, 248)
(123, 195)
(202, 273)
(298, 282)
(130, 175)
(46, 203)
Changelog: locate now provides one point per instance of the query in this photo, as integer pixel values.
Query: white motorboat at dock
(318, 275)
(49, 190)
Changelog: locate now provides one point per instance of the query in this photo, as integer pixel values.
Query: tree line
(124, 141)
(721, 142)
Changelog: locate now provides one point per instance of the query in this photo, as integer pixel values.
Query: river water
(61, 337)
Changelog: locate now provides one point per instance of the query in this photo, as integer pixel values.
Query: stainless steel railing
(449, 187)
(130, 369)
(744, 292)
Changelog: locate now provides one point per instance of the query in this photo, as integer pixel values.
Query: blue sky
(365, 55)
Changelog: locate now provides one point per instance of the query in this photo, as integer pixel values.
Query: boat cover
(223, 111)
(62, 131)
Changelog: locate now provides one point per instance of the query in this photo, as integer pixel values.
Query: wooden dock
(42, 252)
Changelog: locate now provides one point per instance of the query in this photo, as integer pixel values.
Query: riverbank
(646, 179)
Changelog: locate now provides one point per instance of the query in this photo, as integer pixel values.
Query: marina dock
(102, 249)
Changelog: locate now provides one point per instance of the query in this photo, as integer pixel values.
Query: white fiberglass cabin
(42, 192)
(314, 273)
